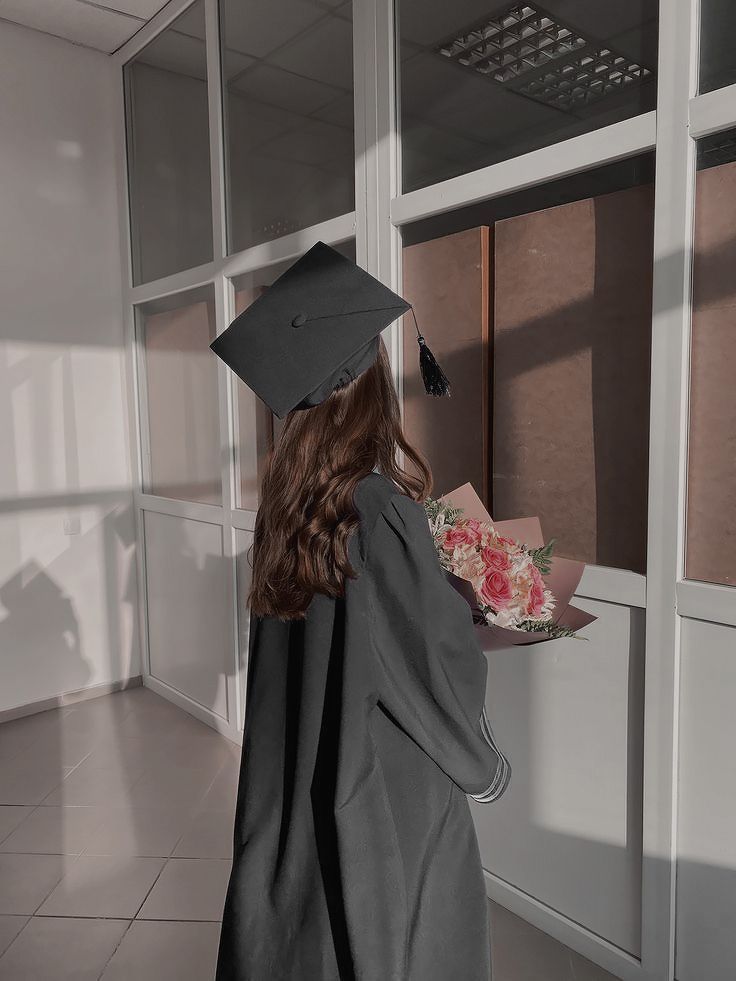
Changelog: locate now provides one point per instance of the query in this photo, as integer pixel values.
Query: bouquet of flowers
(516, 587)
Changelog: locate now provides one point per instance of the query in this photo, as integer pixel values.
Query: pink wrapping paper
(563, 578)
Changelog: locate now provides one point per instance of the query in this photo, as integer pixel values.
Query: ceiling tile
(234, 63)
(176, 52)
(257, 27)
(339, 113)
(79, 22)
(324, 53)
(145, 9)
(280, 88)
(192, 21)
(315, 143)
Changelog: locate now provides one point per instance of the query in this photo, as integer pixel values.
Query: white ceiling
(101, 24)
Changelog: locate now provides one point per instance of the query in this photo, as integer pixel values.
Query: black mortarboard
(315, 329)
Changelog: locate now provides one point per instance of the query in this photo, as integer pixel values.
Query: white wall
(67, 570)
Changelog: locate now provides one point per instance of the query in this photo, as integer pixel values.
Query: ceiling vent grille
(528, 51)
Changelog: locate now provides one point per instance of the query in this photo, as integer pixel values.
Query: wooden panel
(572, 337)
(711, 512)
(447, 280)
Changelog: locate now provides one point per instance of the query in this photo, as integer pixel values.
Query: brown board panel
(447, 280)
(711, 500)
(571, 365)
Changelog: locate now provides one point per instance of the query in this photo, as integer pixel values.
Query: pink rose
(495, 590)
(536, 595)
(465, 532)
(495, 559)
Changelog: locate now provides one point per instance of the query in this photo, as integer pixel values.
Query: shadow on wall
(44, 638)
(40, 628)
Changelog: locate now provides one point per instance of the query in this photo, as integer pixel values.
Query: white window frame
(381, 209)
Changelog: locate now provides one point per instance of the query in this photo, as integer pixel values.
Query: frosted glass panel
(181, 396)
(711, 498)
(243, 544)
(706, 846)
(169, 152)
(189, 634)
(288, 105)
(568, 831)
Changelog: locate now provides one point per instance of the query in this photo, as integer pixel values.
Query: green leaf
(542, 556)
(555, 630)
(441, 513)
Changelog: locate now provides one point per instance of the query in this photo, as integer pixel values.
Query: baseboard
(69, 698)
(195, 709)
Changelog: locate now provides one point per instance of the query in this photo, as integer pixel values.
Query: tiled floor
(116, 819)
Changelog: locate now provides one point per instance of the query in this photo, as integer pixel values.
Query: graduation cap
(314, 330)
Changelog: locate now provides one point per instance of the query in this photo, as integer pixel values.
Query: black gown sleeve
(431, 671)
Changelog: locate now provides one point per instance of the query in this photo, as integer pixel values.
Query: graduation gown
(355, 855)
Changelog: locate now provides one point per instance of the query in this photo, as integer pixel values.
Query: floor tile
(103, 885)
(208, 835)
(24, 784)
(10, 927)
(94, 717)
(223, 791)
(54, 830)
(11, 816)
(129, 753)
(188, 889)
(163, 951)
(204, 748)
(51, 949)
(26, 880)
(159, 721)
(22, 733)
(57, 749)
(93, 785)
(138, 831)
(521, 952)
(171, 786)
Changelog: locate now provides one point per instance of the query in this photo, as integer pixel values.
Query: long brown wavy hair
(307, 512)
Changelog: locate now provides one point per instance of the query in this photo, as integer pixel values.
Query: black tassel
(435, 380)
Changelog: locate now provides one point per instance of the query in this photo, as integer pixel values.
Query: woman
(355, 855)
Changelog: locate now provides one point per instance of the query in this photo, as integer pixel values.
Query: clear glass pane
(481, 83)
(257, 426)
(181, 397)
(168, 151)
(717, 48)
(288, 105)
(711, 496)
(538, 306)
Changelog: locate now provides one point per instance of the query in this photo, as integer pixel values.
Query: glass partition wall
(551, 187)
